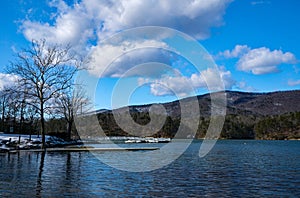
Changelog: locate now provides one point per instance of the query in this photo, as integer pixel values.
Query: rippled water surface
(233, 168)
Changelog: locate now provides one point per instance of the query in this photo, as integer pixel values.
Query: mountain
(245, 103)
(274, 115)
(274, 103)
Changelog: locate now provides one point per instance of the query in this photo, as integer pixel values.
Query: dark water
(232, 169)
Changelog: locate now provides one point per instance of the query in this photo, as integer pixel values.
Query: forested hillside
(273, 115)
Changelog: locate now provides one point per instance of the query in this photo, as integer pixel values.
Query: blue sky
(254, 43)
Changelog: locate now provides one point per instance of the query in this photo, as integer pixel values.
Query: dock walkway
(81, 149)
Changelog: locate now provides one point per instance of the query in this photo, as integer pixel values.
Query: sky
(142, 52)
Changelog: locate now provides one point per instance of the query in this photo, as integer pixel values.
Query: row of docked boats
(148, 140)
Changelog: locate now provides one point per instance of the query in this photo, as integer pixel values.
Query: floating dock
(82, 149)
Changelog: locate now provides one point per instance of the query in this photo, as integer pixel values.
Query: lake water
(236, 168)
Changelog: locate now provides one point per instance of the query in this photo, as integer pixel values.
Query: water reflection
(39, 186)
(231, 169)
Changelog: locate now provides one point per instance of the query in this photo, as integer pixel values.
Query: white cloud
(110, 60)
(73, 27)
(169, 85)
(79, 22)
(263, 60)
(242, 85)
(194, 17)
(259, 60)
(293, 82)
(7, 80)
(184, 85)
(236, 52)
(212, 78)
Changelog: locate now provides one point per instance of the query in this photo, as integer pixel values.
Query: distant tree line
(286, 126)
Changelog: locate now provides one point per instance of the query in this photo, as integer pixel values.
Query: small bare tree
(44, 71)
(70, 103)
(4, 104)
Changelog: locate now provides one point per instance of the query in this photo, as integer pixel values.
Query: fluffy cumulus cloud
(169, 85)
(82, 21)
(260, 60)
(263, 60)
(212, 78)
(194, 17)
(7, 80)
(236, 52)
(109, 60)
(71, 26)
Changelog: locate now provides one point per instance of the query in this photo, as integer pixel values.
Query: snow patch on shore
(19, 141)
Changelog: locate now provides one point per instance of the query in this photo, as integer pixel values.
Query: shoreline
(20, 142)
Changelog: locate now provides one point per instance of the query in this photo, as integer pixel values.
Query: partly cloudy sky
(254, 44)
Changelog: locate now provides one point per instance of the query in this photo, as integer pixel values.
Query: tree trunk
(69, 129)
(3, 113)
(43, 126)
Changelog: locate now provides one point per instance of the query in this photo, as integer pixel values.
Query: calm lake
(238, 168)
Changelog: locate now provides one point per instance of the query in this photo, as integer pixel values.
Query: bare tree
(4, 103)
(70, 103)
(44, 71)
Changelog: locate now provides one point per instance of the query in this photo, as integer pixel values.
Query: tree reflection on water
(39, 186)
